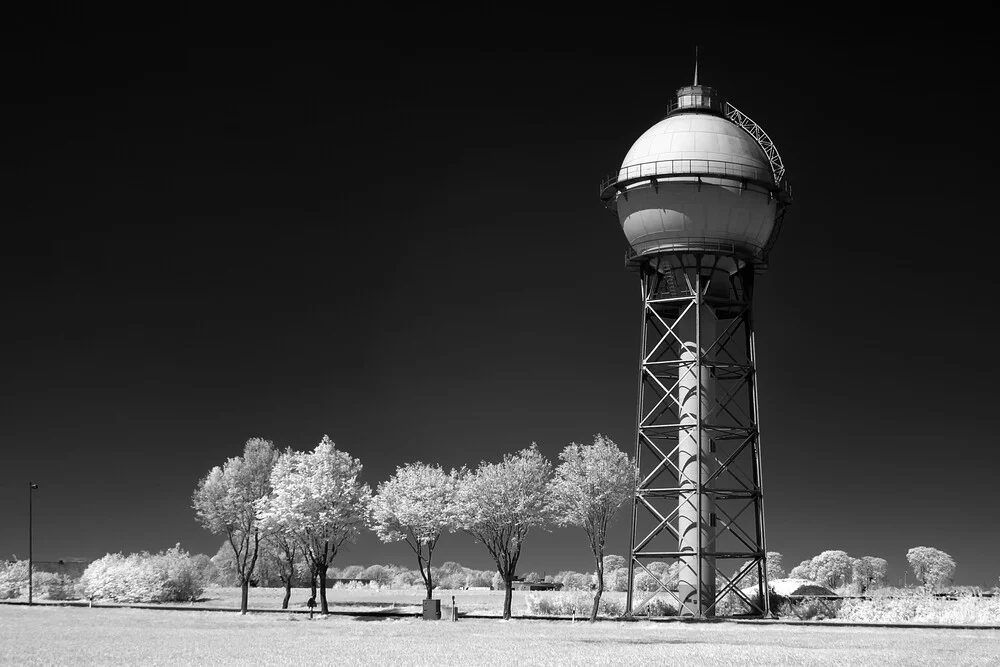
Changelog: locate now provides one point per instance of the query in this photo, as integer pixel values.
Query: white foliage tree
(587, 489)
(931, 566)
(417, 504)
(226, 500)
(804, 570)
(774, 570)
(870, 572)
(318, 499)
(499, 503)
(831, 568)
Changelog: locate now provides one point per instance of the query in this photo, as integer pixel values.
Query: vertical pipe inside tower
(696, 584)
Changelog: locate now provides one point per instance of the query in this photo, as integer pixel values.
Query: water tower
(700, 197)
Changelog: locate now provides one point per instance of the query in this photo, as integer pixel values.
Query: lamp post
(31, 487)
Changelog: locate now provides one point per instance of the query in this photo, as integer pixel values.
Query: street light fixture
(31, 487)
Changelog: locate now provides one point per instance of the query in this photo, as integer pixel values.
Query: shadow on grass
(368, 618)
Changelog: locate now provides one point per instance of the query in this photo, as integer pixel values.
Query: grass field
(74, 635)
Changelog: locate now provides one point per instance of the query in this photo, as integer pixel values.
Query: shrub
(406, 580)
(13, 578)
(183, 580)
(480, 578)
(734, 605)
(53, 586)
(570, 604)
(169, 576)
(897, 606)
(658, 606)
(121, 579)
(450, 580)
(574, 581)
(809, 609)
(581, 604)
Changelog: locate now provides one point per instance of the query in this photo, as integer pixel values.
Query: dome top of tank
(693, 139)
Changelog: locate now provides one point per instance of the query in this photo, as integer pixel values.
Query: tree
(500, 503)
(226, 503)
(207, 572)
(282, 554)
(588, 487)
(931, 566)
(833, 568)
(870, 572)
(352, 572)
(830, 568)
(774, 570)
(318, 500)
(377, 574)
(225, 565)
(774, 567)
(618, 579)
(417, 504)
(613, 561)
(613, 566)
(804, 570)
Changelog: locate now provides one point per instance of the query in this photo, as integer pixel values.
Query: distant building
(519, 584)
(70, 567)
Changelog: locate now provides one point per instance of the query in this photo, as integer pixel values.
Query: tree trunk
(430, 580)
(288, 593)
(312, 585)
(322, 590)
(600, 590)
(244, 596)
(507, 596)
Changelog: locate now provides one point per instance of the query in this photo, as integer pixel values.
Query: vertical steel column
(31, 487)
(699, 430)
(643, 293)
(762, 587)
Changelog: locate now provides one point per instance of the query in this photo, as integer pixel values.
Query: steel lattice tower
(701, 197)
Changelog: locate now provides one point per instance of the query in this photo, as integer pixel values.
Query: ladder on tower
(758, 133)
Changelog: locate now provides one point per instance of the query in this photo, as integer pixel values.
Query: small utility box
(432, 610)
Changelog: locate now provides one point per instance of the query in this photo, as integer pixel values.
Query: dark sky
(212, 236)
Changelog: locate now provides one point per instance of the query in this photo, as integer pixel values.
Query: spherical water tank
(697, 181)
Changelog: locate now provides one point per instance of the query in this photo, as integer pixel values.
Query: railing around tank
(695, 244)
(692, 167)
